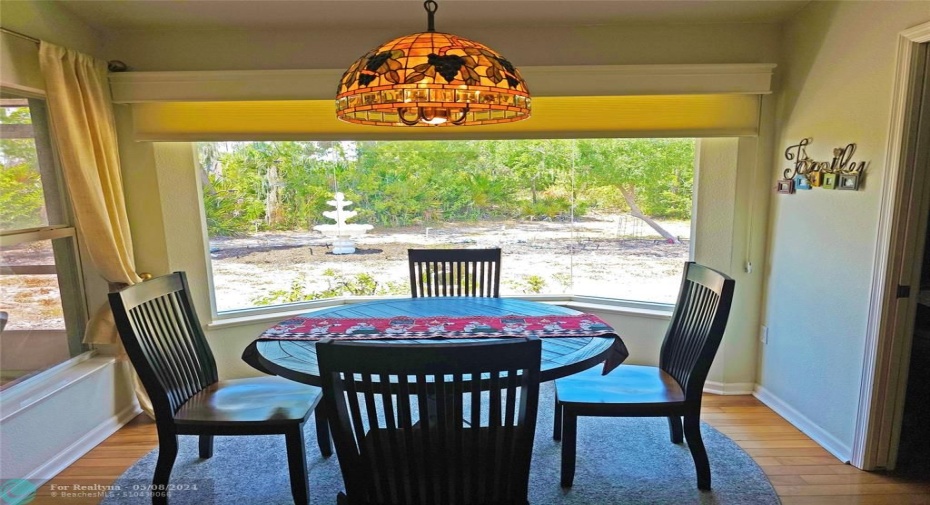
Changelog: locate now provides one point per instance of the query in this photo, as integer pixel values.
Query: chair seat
(259, 400)
(634, 385)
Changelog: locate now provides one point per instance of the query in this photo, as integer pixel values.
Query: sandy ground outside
(30, 301)
(610, 255)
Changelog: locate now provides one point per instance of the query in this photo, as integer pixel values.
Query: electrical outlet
(764, 334)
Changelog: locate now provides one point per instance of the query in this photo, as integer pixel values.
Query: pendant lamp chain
(431, 7)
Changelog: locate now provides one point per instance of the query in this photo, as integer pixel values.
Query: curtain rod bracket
(117, 66)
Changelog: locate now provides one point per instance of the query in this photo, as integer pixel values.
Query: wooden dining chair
(455, 272)
(672, 390)
(167, 347)
(438, 435)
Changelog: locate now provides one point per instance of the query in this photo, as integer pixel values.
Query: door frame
(887, 346)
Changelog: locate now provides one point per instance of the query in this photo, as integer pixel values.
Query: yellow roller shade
(552, 117)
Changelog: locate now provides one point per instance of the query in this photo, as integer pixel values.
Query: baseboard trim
(832, 445)
(729, 388)
(82, 446)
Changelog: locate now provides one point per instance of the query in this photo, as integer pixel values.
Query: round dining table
(561, 356)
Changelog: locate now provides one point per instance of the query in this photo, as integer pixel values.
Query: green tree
(21, 198)
(652, 175)
(408, 182)
(285, 185)
(529, 160)
(277, 185)
(22, 201)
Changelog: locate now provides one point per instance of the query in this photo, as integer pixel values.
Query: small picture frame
(801, 182)
(829, 181)
(848, 182)
(786, 186)
(815, 178)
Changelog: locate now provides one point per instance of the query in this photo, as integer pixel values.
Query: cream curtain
(81, 114)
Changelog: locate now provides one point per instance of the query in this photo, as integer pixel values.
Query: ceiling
(108, 15)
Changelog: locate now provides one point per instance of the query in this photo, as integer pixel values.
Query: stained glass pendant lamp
(432, 79)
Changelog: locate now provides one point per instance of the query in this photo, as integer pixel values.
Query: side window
(42, 312)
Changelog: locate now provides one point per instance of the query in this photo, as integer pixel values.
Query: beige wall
(525, 46)
(47, 21)
(730, 215)
(836, 86)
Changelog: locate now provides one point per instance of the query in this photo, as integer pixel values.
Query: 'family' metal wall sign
(839, 173)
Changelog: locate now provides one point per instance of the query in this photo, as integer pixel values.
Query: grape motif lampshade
(432, 79)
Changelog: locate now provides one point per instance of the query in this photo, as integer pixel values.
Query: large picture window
(598, 217)
(42, 314)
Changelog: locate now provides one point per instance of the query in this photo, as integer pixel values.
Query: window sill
(45, 384)
(618, 309)
(278, 313)
(272, 315)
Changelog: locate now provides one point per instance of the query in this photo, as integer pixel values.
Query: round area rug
(620, 461)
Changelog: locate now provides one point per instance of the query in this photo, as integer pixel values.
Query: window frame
(62, 234)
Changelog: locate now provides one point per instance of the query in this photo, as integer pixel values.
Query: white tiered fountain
(343, 233)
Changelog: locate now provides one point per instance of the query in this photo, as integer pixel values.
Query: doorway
(896, 315)
(913, 455)
(913, 459)
(910, 456)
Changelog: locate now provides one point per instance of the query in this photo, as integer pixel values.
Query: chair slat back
(455, 272)
(412, 426)
(697, 326)
(163, 338)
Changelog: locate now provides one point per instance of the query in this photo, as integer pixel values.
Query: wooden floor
(801, 471)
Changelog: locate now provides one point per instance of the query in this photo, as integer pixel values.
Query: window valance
(601, 101)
